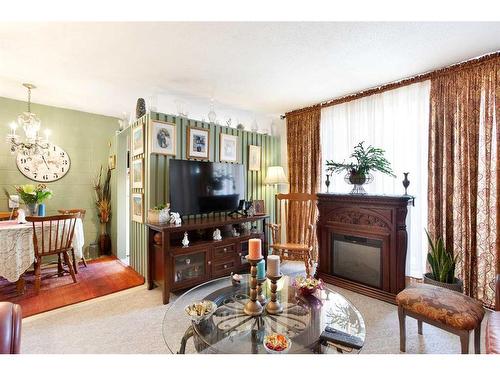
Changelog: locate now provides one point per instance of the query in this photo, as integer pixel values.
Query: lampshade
(275, 175)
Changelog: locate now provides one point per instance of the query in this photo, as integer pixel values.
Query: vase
(32, 209)
(41, 209)
(104, 241)
(140, 109)
(327, 183)
(406, 182)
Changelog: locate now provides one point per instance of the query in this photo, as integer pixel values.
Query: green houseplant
(365, 160)
(442, 263)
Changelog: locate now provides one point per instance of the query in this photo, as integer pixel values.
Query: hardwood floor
(102, 276)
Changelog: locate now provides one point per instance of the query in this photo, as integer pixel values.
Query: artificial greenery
(31, 194)
(366, 160)
(442, 261)
(103, 195)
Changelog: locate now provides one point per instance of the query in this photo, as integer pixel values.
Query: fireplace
(357, 259)
(362, 243)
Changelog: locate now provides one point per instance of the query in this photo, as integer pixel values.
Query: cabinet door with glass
(191, 267)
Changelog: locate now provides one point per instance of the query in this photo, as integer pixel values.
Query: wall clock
(44, 168)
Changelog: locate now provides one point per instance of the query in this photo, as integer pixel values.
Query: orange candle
(254, 248)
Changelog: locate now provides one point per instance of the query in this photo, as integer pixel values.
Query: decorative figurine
(175, 218)
(185, 240)
(21, 216)
(327, 182)
(140, 109)
(235, 233)
(406, 182)
(217, 235)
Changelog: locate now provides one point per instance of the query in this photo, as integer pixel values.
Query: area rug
(101, 277)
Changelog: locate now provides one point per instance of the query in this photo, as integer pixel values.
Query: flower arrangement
(31, 194)
(103, 196)
(308, 285)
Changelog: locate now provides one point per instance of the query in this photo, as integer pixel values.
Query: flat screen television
(200, 187)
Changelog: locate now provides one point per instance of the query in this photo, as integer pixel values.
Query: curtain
(396, 121)
(463, 172)
(304, 160)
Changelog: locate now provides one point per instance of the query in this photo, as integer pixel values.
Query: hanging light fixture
(30, 123)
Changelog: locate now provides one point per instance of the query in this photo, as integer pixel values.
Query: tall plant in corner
(443, 264)
(102, 191)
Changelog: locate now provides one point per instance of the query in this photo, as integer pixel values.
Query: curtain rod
(399, 83)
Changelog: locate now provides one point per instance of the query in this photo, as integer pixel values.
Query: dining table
(17, 252)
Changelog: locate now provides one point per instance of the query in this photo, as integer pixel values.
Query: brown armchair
(493, 325)
(10, 328)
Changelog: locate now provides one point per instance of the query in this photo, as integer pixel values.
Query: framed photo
(112, 162)
(137, 173)
(198, 143)
(137, 207)
(259, 207)
(228, 148)
(253, 158)
(162, 138)
(137, 140)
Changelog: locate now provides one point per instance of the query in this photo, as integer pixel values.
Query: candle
(261, 270)
(273, 265)
(254, 248)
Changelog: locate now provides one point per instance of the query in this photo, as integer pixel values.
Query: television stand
(173, 267)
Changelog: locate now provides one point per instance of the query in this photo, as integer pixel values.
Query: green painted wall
(85, 136)
(156, 172)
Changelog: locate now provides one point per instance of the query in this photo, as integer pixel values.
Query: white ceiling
(266, 68)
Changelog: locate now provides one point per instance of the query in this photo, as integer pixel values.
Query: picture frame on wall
(198, 143)
(137, 173)
(228, 148)
(253, 158)
(112, 162)
(162, 138)
(138, 140)
(137, 207)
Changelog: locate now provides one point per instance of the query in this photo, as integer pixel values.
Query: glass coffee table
(229, 330)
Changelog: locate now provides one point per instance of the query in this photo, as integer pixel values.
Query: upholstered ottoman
(442, 308)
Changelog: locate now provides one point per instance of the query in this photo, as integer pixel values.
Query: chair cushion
(451, 308)
(493, 333)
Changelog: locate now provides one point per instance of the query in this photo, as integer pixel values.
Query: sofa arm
(10, 328)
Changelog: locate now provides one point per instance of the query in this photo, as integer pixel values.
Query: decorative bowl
(275, 339)
(201, 310)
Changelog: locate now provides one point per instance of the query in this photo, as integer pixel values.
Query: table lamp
(275, 175)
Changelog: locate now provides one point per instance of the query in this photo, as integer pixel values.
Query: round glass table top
(230, 330)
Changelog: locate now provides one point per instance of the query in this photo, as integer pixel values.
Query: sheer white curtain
(396, 121)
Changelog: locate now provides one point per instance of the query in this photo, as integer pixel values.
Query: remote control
(338, 337)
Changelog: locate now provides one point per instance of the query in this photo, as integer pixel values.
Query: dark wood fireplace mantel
(378, 219)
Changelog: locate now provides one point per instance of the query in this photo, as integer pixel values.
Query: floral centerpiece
(307, 285)
(33, 195)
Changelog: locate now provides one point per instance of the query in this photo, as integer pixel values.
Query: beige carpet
(131, 321)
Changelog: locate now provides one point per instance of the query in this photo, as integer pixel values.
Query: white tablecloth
(16, 247)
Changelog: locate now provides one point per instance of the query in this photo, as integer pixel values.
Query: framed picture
(228, 147)
(162, 138)
(137, 140)
(112, 162)
(198, 143)
(259, 207)
(253, 158)
(137, 207)
(137, 173)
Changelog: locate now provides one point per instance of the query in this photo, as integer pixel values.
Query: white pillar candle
(273, 265)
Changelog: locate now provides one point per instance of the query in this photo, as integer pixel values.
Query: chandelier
(32, 144)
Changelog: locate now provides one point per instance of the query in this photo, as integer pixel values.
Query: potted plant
(103, 202)
(159, 214)
(442, 262)
(33, 195)
(365, 160)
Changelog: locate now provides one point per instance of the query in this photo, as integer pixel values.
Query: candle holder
(274, 307)
(260, 297)
(253, 307)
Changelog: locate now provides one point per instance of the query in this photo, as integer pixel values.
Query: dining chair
(82, 212)
(293, 235)
(55, 237)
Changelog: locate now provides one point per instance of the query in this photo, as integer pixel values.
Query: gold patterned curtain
(304, 157)
(464, 172)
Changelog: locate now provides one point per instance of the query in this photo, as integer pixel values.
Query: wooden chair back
(8, 215)
(297, 212)
(70, 211)
(55, 235)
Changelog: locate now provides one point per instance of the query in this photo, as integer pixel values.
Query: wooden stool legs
(419, 323)
(402, 329)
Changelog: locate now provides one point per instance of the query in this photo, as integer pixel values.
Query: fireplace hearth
(362, 243)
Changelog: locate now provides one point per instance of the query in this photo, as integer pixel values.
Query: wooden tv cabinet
(173, 267)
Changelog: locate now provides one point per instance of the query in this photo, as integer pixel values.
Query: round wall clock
(51, 166)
